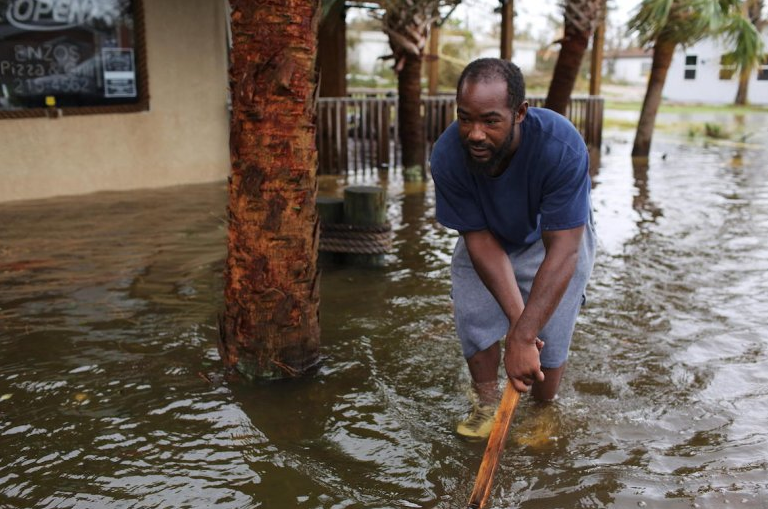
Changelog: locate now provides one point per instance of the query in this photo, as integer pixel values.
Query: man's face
(486, 125)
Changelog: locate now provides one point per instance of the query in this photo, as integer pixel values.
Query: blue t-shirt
(545, 187)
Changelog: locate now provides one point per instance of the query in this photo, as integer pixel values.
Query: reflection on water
(110, 394)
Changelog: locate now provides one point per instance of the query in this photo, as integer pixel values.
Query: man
(514, 182)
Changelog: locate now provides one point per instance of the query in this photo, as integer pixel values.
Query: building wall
(367, 52)
(630, 70)
(183, 138)
(707, 87)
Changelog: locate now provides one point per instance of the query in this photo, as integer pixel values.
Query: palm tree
(741, 56)
(581, 18)
(407, 24)
(663, 24)
(270, 325)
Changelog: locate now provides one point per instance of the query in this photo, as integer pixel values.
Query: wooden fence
(359, 133)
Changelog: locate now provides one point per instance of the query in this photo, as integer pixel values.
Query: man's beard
(491, 166)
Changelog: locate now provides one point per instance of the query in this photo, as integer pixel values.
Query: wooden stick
(484, 479)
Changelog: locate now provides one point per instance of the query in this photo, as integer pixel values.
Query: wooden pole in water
(365, 206)
(330, 210)
(484, 479)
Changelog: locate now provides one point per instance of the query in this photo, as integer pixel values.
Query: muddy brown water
(109, 371)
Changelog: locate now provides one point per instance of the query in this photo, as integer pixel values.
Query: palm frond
(744, 38)
(649, 20)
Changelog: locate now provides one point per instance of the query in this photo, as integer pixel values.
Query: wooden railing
(359, 133)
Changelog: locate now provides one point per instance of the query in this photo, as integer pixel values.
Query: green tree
(665, 24)
(407, 24)
(581, 18)
(270, 325)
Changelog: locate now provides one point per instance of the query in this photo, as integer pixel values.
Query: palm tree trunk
(743, 90)
(581, 18)
(332, 52)
(569, 59)
(662, 58)
(507, 30)
(409, 112)
(270, 325)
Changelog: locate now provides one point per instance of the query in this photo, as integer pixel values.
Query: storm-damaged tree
(665, 24)
(407, 24)
(270, 325)
(581, 17)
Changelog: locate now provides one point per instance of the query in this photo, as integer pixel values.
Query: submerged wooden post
(365, 206)
(330, 210)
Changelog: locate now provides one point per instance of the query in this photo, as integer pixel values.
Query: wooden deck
(359, 133)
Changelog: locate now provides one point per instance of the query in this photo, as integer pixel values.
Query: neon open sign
(61, 14)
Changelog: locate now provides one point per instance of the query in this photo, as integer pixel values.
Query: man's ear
(522, 110)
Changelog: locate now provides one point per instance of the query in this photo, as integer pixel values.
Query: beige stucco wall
(183, 138)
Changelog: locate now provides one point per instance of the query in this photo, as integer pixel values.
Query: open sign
(61, 14)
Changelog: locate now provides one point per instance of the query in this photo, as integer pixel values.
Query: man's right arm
(495, 270)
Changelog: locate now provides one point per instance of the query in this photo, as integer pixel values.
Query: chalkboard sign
(68, 54)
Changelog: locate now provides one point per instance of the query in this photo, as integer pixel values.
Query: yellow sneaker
(479, 423)
(540, 429)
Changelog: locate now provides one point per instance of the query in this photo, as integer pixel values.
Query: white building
(630, 66)
(367, 51)
(700, 73)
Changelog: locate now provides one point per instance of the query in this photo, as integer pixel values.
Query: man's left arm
(549, 286)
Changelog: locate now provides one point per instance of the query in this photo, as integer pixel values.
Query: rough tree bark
(270, 325)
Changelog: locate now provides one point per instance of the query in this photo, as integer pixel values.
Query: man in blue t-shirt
(514, 182)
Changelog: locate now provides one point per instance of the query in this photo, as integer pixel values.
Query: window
(762, 70)
(690, 67)
(645, 68)
(727, 66)
(71, 57)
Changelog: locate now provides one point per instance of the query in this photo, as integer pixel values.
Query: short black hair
(492, 69)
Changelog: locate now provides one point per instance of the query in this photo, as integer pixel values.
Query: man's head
(486, 70)
(490, 103)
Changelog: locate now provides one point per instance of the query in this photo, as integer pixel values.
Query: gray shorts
(479, 319)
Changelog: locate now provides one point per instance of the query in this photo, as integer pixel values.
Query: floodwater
(111, 392)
